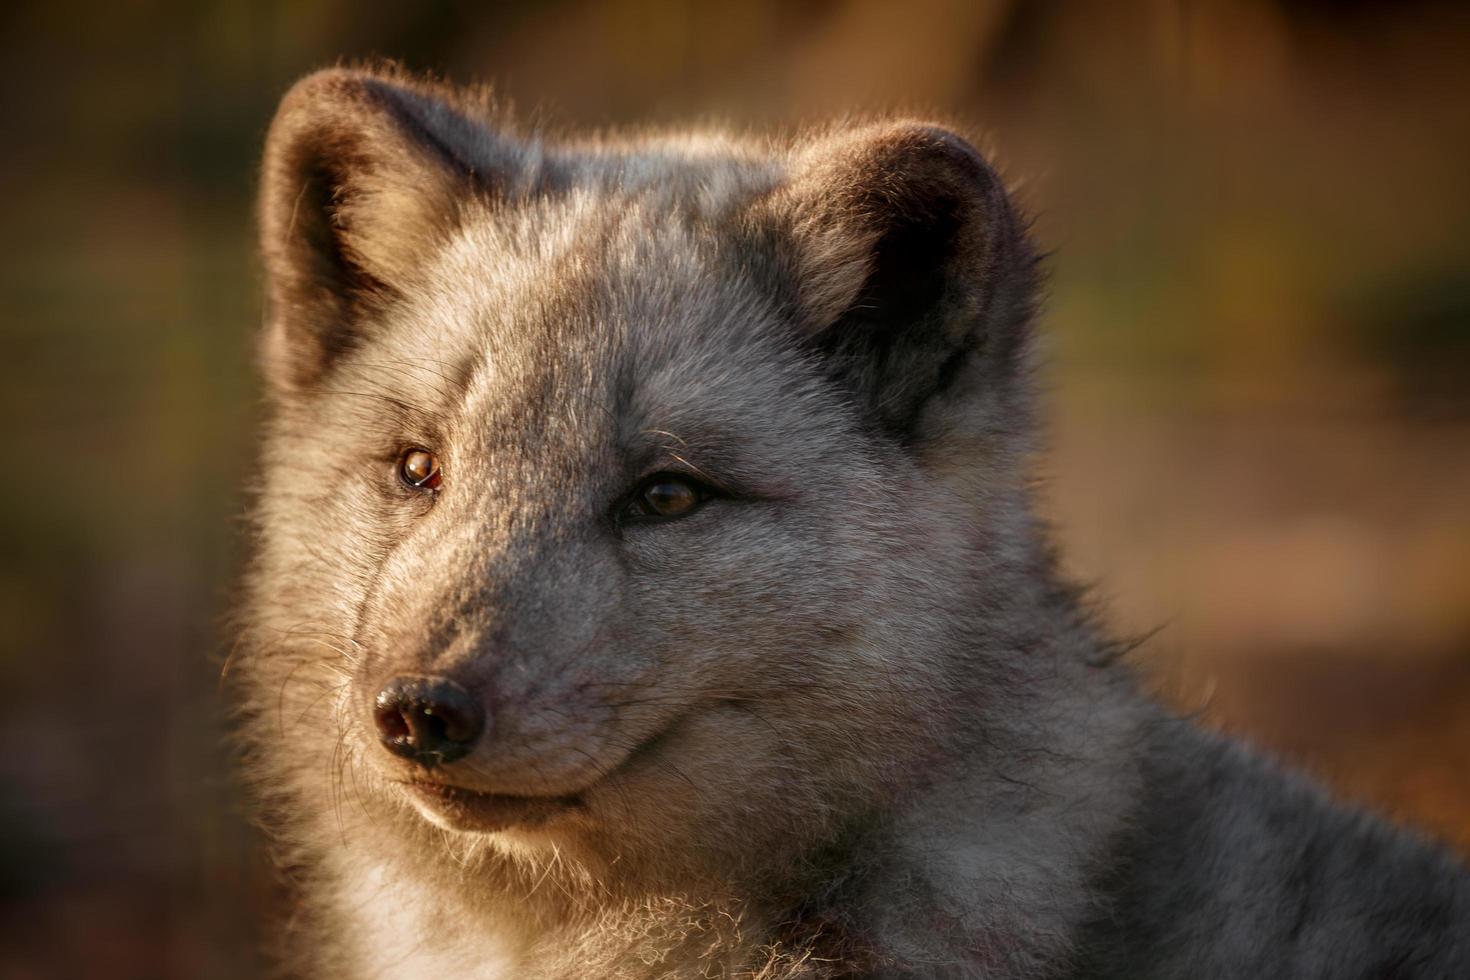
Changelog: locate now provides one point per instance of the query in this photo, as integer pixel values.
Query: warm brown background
(1260, 321)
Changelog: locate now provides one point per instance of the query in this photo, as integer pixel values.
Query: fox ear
(362, 174)
(913, 273)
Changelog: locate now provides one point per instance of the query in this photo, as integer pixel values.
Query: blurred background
(1259, 323)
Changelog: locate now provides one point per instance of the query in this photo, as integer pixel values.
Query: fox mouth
(475, 811)
(457, 808)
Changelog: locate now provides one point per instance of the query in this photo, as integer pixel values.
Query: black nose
(430, 720)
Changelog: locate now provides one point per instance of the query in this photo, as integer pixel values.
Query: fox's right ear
(363, 173)
(914, 280)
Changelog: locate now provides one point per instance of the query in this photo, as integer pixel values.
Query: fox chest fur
(645, 585)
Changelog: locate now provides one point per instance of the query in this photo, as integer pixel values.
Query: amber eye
(665, 496)
(419, 468)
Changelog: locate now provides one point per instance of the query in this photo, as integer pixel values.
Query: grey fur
(840, 722)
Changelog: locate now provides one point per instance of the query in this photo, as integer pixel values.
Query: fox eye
(665, 496)
(419, 468)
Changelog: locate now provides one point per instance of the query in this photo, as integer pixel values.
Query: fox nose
(430, 720)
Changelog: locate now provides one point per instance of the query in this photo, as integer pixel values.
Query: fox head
(633, 498)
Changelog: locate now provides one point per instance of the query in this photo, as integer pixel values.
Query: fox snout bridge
(429, 720)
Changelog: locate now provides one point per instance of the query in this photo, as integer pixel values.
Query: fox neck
(502, 921)
(1311, 888)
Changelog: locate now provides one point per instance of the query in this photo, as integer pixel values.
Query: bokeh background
(1259, 323)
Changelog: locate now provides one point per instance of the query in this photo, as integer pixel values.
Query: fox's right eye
(664, 497)
(419, 468)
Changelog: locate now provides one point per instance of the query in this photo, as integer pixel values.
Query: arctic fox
(646, 585)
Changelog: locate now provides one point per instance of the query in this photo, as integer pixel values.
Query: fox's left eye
(665, 496)
(419, 468)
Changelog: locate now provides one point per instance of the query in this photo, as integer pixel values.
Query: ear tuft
(364, 172)
(910, 265)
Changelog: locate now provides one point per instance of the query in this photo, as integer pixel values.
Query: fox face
(618, 499)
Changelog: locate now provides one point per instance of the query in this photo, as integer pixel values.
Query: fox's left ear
(913, 275)
(364, 172)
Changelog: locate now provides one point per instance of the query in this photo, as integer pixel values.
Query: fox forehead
(624, 328)
(588, 265)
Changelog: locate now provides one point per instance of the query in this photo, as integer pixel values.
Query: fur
(843, 720)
